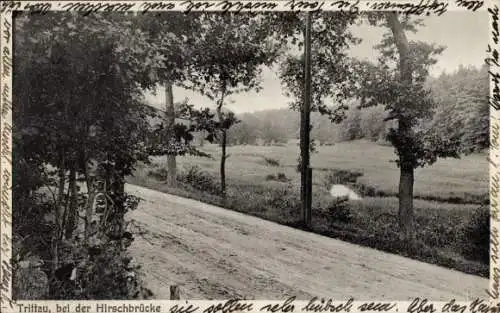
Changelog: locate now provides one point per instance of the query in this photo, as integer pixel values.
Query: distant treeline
(461, 112)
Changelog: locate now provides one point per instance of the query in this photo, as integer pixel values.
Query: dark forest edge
(460, 111)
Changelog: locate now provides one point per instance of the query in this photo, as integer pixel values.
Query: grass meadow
(263, 181)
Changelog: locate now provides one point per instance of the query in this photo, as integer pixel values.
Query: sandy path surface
(213, 253)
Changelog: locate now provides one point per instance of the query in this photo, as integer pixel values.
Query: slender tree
(234, 46)
(398, 83)
(170, 123)
(172, 37)
(330, 39)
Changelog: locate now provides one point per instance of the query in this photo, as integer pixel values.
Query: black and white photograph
(250, 155)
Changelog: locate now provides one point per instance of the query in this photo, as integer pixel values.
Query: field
(447, 194)
(448, 178)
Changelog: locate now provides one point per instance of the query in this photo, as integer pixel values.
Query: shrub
(29, 282)
(436, 231)
(271, 161)
(283, 199)
(337, 176)
(200, 179)
(101, 271)
(281, 177)
(365, 190)
(270, 177)
(338, 211)
(476, 236)
(159, 174)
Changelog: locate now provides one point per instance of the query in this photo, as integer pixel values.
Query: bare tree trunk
(406, 180)
(60, 193)
(170, 119)
(58, 210)
(72, 211)
(90, 199)
(223, 142)
(223, 163)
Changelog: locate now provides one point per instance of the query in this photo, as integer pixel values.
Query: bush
(367, 191)
(271, 161)
(159, 174)
(29, 283)
(281, 177)
(337, 211)
(347, 177)
(435, 230)
(476, 236)
(104, 272)
(200, 179)
(270, 177)
(283, 199)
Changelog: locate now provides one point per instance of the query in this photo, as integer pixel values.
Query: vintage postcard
(249, 156)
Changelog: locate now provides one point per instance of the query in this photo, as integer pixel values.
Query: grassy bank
(264, 183)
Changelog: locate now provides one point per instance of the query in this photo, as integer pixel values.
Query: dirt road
(213, 253)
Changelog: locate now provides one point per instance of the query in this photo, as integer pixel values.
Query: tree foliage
(409, 102)
(462, 109)
(330, 39)
(234, 49)
(246, 132)
(81, 119)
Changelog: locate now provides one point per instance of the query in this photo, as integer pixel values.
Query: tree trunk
(405, 214)
(170, 119)
(202, 138)
(223, 141)
(406, 178)
(305, 128)
(117, 189)
(73, 209)
(90, 199)
(58, 210)
(60, 194)
(223, 163)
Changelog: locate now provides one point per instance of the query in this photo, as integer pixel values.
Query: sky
(465, 36)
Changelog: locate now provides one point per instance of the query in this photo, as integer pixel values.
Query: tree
(81, 119)
(373, 123)
(243, 133)
(172, 32)
(271, 133)
(191, 121)
(330, 39)
(462, 109)
(350, 127)
(398, 83)
(234, 47)
(170, 124)
(323, 130)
